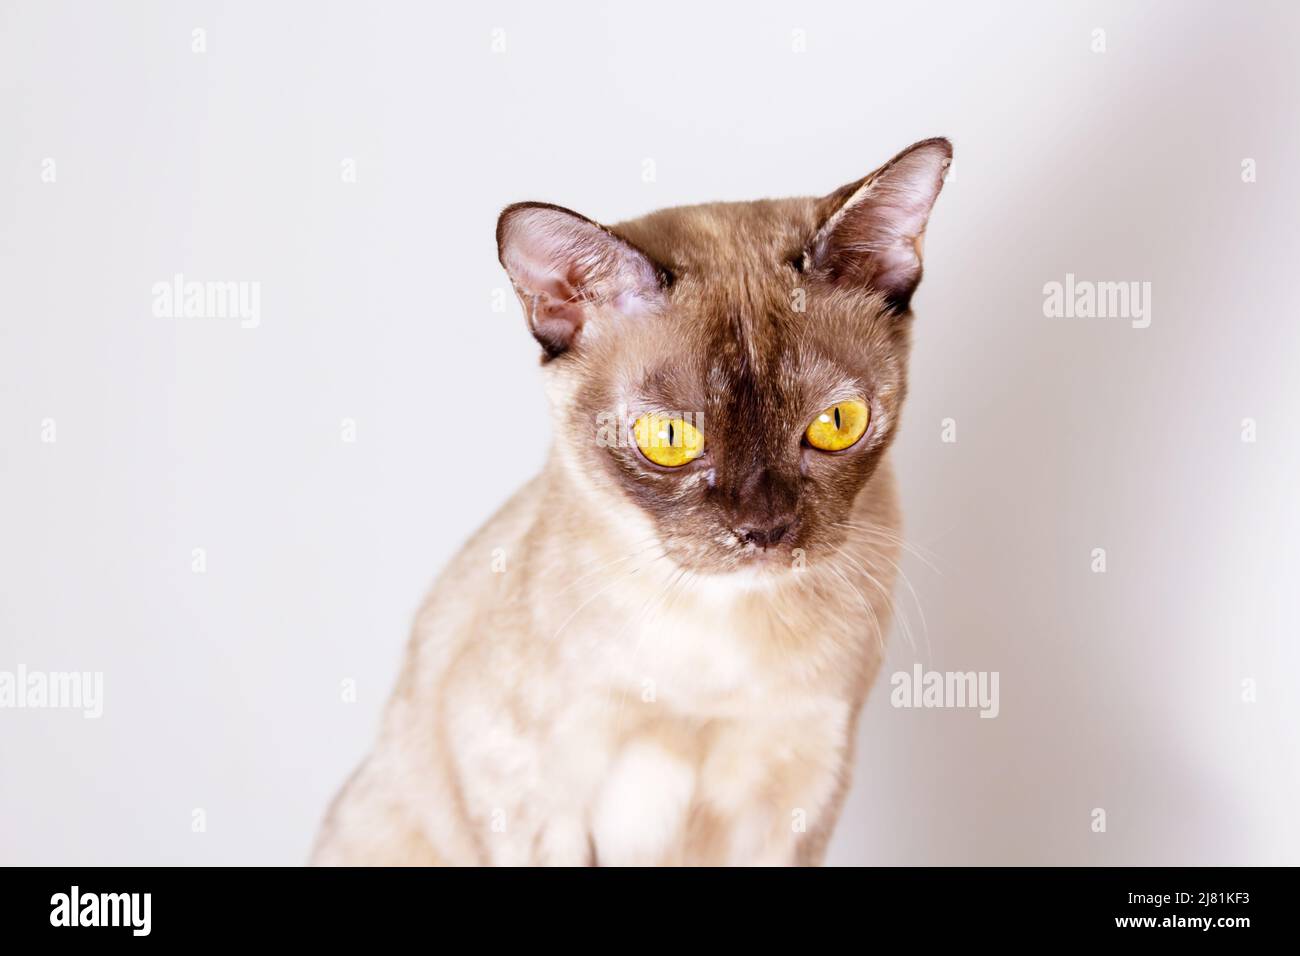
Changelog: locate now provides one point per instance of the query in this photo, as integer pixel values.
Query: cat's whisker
(660, 599)
(925, 627)
(794, 633)
(884, 593)
(880, 627)
(892, 603)
(638, 544)
(886, 534)
(920, 610)
(880, 637)
(645, 546)
(891, 537)
(618, 580)
(882, 530)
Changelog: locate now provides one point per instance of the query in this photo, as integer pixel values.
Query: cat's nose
(763, 508)
(763, 536)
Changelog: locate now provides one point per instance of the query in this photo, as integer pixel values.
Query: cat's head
(733, 371)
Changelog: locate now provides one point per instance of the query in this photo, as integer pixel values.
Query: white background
(1120, 691)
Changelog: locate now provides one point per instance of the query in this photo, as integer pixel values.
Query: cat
(690, 602)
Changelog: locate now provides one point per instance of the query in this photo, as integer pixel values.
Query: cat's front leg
(564, 841)
(772, 788)
(640, 814)
(767, 832)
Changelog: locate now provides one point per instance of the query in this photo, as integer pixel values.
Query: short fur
(650, 679)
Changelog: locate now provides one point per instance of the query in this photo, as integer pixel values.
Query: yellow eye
(667, 441)
(840, 426)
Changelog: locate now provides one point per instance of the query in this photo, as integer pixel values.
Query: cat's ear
(871, 232)
(568, 270)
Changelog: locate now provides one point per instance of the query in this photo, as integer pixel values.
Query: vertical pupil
(670, 433)
(838, 426)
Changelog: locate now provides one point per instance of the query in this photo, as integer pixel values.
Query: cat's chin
(756, 573)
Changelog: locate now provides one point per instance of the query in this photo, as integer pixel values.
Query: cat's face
(734, 370)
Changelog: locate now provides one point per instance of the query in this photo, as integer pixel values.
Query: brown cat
(656, 652)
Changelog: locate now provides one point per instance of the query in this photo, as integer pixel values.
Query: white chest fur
(710, 753)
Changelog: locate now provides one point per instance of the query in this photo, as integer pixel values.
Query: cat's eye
(668, 441)
(839, 426)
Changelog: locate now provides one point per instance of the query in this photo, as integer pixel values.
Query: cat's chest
(700, 658)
